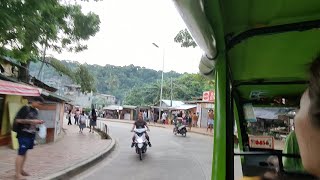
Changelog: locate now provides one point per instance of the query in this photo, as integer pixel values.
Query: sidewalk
(59, 159)
(202, 131)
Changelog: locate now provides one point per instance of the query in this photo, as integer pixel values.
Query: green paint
(237, 124)
(242, 15)
(279, 57)
(272, 90)
(219, 155)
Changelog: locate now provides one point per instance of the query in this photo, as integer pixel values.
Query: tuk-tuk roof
(266, 41)
(265, 47)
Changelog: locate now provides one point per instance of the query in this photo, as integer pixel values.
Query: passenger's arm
(29, 121)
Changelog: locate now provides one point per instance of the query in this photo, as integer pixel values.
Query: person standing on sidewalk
(69, 118)
(93, 119)
(189, 120)
(164, 117)
(210, 120)
(76, 117)
(82, 122)
(194, 120)
(155, 118)
(145, 116)
(25, 125)
(151, 117)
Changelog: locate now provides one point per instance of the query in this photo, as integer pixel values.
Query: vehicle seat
(291, 147)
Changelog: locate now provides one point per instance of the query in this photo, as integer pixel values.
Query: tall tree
(185, 39)
(85, 79)
(125, 78)
(185, 88)
(29, 27)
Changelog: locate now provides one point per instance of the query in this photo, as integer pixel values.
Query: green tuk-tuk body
(256, 51)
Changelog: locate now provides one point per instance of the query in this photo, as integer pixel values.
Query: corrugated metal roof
(113, 107)
(174, 103)
(129, 107)
(184, 107)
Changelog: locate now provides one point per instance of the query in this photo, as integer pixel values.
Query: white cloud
(128, 29)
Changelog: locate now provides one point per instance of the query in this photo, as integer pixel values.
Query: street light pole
(161, 87)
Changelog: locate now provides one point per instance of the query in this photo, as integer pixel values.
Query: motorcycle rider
(139, 124)
(177, 123)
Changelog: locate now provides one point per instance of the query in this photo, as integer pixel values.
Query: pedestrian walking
(25, 125)
(76, 117)
(69, 118)
(151, 117)
(189, 121)
(145, 116)
(93, 120)
(155, 118)
(82, 122)
(164, 117)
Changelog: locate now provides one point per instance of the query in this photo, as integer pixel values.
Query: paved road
(171, 157)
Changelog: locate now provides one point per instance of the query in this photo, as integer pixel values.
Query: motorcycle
(180, 130)
(140, 143)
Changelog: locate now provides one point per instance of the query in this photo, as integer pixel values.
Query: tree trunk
(24, 72)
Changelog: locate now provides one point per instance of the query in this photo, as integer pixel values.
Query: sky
(127, 30)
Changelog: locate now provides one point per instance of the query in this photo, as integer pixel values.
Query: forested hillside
(109, 79)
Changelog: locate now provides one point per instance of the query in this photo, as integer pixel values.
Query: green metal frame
(220, 126)
(259, 46)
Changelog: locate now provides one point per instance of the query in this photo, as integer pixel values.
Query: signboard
(249, 113)
(262, 142)
(208, 96)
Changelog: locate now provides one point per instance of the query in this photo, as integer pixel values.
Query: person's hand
(131, 130)
(38, 121)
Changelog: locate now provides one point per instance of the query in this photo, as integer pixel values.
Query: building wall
(12, 105)
(202, 109)
(47, 112)
(59, 121)
(6, 121)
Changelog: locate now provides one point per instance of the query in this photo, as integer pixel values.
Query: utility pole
(171, 93)
(163, 56)
(43, 60)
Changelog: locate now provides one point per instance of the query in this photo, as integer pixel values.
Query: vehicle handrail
(253, 153)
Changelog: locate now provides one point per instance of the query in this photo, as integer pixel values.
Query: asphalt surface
(170, 157)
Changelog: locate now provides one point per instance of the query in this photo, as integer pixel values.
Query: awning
(113, 107)
(184, 107)
(11, 88)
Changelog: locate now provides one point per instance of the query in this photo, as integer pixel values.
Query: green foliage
(132, 84)
(29, 27)
(109, 79)
(185, 39)
(85, 79)
(74, 73)
(61, 68)
(185, 87)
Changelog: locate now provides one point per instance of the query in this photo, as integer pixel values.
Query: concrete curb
(204, 134)
(131, 123)
(73, 170)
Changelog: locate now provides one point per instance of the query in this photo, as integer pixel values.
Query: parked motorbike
(141, 143)
(180, 130)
